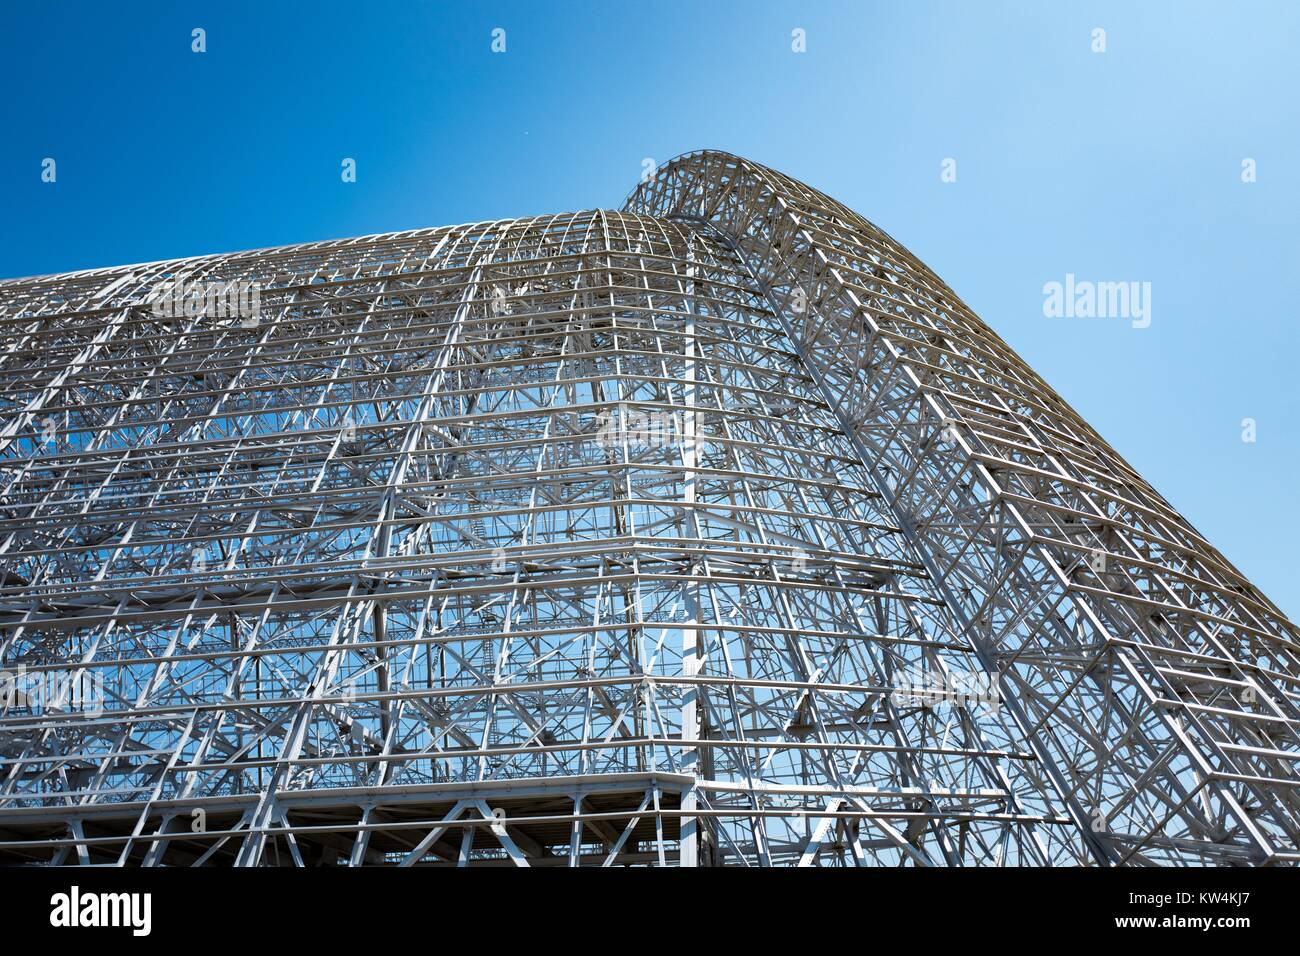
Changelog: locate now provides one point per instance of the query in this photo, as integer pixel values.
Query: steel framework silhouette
(714, 531)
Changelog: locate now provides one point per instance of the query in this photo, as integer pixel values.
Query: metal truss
(715, 531)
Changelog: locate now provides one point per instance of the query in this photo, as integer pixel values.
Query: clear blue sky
(1117, 166)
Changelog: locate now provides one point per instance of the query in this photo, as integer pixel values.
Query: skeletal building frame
(712, 531)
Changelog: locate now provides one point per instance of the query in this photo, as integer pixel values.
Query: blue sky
(1123, 165)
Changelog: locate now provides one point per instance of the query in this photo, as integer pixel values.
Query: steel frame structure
(669, 535)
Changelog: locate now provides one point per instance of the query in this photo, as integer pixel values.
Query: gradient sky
(1120, 166)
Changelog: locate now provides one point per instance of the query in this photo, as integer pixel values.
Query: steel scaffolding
(714, 531)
